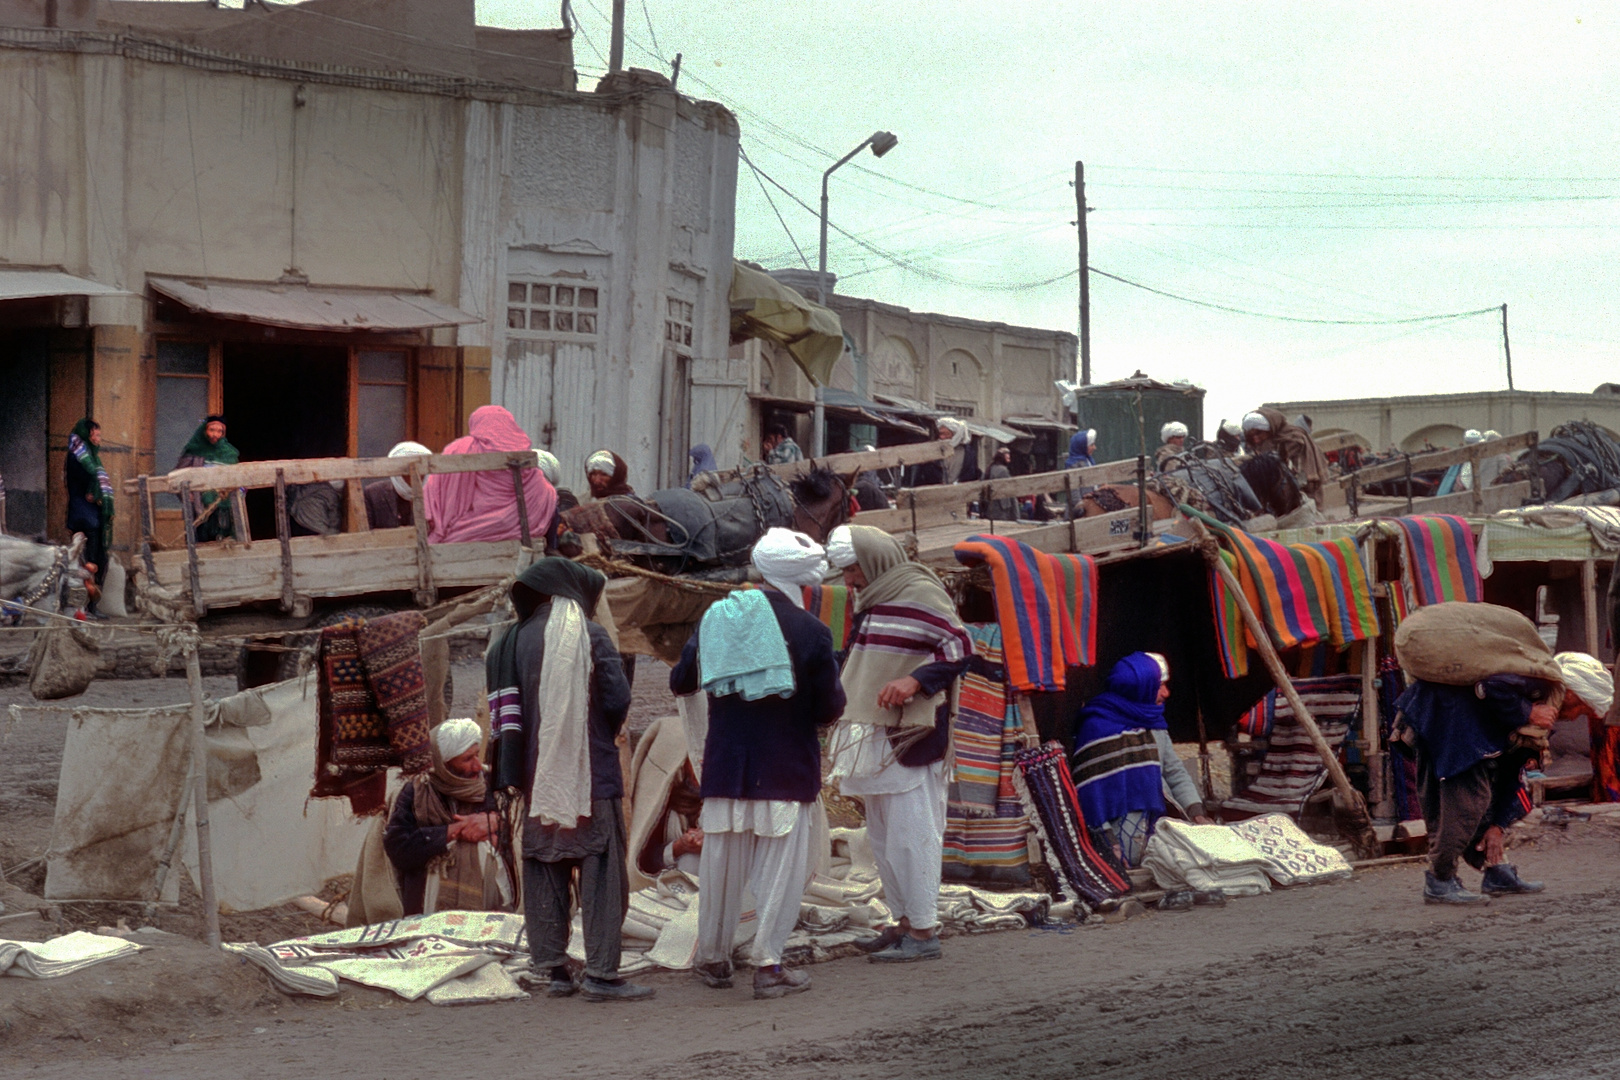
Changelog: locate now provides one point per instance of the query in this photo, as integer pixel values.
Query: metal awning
(306, 308)
(30, 284)
(843, 404)
(1035, 425)
(762, 307)
(974, 425)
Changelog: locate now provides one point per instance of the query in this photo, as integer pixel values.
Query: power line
(658, 52)
(767, 192)
(1294, 318)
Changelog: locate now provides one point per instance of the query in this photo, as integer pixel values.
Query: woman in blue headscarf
(1124, 762)
(702, 462)
(1081, 447)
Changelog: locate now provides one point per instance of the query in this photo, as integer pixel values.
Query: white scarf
(562, 773)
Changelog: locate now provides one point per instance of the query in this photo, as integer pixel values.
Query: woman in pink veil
(482, 505)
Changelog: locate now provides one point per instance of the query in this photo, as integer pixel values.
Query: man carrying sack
(1486, 692)
(907, 650)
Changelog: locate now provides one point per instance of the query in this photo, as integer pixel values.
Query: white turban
(958, 430)
(1587, 678)
(841, 547)
(1255, 422)
(790, 560)
(1472, 436)
(456, 736)
(1492, 434)
(402, 485)
(1231, 427)
(600, 462)
(550, 467)
(1175, 429)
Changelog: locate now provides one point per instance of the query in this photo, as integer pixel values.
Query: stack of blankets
(1242, 859)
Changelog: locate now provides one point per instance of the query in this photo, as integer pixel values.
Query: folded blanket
(1281, 587)
(1437, 557)
(831, 604)
(741, 649)
(1029, 607)
(1206, 858)
(1291, 857)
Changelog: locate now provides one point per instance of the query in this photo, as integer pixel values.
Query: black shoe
(1448, 891)
(1504, 878)
(557, 983)
(715, 975)
(616, 990)
(777, 981)
(889, 936)
(1180, 900)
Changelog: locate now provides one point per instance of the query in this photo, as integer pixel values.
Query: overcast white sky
(1333, 161)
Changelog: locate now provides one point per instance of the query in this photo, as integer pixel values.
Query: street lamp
(881, 143)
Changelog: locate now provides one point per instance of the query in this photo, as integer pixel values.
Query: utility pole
(1508, 351)
(616, 48)
(1085, 273)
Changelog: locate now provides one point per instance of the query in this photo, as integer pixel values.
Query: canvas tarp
(123, 782)
(762, 307)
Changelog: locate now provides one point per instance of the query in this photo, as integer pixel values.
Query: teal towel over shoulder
(741, 649)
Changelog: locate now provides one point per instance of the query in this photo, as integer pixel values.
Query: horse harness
(36, 594)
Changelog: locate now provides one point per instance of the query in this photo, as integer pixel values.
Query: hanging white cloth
(562, 774)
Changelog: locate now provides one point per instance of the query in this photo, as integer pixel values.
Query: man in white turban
(388, 502)
(1173, 440)
(762, 758)
(444, 834)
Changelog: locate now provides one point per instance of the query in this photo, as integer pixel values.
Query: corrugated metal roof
(974, 425)
(20, 284)
(307, 308)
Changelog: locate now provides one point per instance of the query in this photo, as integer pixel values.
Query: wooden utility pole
(1085, 273)
(1506, 349)
(616, 46)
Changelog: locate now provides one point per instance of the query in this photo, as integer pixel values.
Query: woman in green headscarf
(90, 495)
(209, 446)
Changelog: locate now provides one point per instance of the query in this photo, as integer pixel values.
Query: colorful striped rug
(1082, 858)
(1291, 770)
(1437, 559)
(1281, 586)
(1342, 580)
(988, 847)
(831, 604)
(1040, 636)
(981, 721)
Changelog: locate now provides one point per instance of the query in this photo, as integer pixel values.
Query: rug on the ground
(1082, 857)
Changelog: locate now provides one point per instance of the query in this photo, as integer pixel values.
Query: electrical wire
(1294, 318)
(767, 192)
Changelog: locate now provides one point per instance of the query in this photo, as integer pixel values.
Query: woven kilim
(392, 658)
(1082, 858)
(831, 604)
(1292, 770)
(986, 830)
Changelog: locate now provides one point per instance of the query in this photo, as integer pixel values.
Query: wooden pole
(1371, 722)
(522, 504)
(284, 538)
(427, 594)
(1085, 272)
(145, 499)
(1348, 797)
(1589, 604)
(239, 521)
(189, 513)
(199, 769)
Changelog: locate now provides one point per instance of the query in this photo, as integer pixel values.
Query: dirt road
(1357, 979)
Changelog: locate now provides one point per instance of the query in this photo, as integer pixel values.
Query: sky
(1355, 163)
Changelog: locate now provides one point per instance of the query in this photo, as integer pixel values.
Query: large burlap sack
(62, 663)
(1459, 644)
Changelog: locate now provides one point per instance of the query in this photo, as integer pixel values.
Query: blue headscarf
(1115, 776)
(702, 461)
(1080, 449)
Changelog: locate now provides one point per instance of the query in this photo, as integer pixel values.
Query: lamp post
(881, 143)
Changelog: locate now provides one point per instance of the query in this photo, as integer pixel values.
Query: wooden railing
(1475, 501)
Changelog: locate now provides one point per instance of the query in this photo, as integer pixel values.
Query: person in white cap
(1267, 431)
(1173, 440)
(388, 502)
(761, 758)
(1472, 436)
(444, 834)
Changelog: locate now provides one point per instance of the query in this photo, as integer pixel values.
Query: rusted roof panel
(312, 308)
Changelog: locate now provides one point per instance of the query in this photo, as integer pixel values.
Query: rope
(616, 567)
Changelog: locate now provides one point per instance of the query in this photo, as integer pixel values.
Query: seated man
(665, 804)
(1173, 436)
(444, 837)
(607, 474)
(1267, 431)
(779, 447)
(388, 502)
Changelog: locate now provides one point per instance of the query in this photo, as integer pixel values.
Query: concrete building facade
(339, 257)
(1439, 420)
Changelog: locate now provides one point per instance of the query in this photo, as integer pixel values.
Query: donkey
(38, 575)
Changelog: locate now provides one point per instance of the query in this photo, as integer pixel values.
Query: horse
(38, 575)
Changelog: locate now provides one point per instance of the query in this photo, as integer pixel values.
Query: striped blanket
(986, 829)
(1437, 559)
(1046, 608)
(1081, 857)
(1291, 770)
(831, 604)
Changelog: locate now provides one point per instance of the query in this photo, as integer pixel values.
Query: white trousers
(907, 832)
(775, 869)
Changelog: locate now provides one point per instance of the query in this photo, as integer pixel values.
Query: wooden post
(522, 504)
(239, 521)
(199, 768)
(1589, 601)
(427, 594)
(1371, 722)
(1538, 491)
(1142, 501)
(284, 538)
(1474, 484)
(145, 509)
(189, 512)
(1408, 459)
(356, 492)
(1348, 797)
(1068, 510)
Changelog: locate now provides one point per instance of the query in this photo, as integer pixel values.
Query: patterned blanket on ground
(1082, 858)
(1291, 770)
(1292, 858)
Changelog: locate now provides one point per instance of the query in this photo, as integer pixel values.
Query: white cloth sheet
(61, 956)
(562, 775)
(907, 831)
(773, 868)
(1206, 858)
(864, 763)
